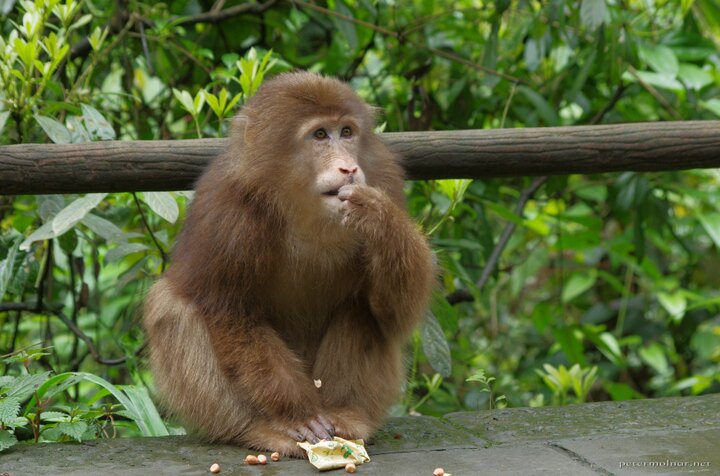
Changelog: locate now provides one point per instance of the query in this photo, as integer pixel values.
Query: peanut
(215, 468)
(275, 456)
(251, 459)
(350, 468)
(262, 459)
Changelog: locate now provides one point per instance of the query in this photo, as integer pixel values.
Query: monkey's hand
(366, 210)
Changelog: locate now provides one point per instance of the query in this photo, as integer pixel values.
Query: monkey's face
(331, 147)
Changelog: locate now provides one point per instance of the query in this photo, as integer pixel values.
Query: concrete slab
(623, 418)
(696, 452)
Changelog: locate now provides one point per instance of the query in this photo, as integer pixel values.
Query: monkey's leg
(260, 367)
(361, 373)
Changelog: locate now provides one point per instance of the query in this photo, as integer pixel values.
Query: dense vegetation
(597, 287)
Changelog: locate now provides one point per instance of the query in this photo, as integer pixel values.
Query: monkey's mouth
(332, 193)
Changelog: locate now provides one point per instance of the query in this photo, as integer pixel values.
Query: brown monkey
(297, 263)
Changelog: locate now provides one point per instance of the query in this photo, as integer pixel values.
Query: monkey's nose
(348, 171)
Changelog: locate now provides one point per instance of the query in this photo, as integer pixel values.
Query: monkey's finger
(308, 434)
(345, 192)
(318, 429)
(327, 425)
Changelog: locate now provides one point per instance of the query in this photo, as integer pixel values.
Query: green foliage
(606, 288)
(562, 381)
(50, 420)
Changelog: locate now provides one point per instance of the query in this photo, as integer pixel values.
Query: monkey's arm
(263, 369)
(401, 269)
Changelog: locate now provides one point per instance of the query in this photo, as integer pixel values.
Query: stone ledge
(661, 436)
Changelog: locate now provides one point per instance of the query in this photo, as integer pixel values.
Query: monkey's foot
(313, 430)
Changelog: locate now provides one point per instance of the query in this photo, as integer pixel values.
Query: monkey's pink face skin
(333, 146)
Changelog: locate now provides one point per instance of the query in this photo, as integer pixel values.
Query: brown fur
(274, 284)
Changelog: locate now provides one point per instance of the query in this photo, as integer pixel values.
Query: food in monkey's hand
(297, 262)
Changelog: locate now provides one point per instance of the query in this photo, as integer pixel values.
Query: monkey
(296, 280)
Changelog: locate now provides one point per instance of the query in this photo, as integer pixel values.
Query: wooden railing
(116, 166)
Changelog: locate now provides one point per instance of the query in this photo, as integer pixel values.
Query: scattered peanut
(215, 468)
(262, 459)
(438, 472)
(251, 459)
(350, 468)
(275, 456)
(318, 383)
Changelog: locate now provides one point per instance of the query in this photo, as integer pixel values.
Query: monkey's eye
(320, 134)
(346, 132)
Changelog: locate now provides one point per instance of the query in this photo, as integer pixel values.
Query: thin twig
(508, 231)
(401, 37)
(654, 93)
(462, 295)
(216, 15)
(610, 105)
(88, 342)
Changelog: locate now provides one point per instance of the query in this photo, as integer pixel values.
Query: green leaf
(163, 204)
(73, 429)
(185, 99)
(543, 108)
(592, 13)
(82, 21)
(621, 391)
(346, 27)
(124, 250)
(533, 53)
(660, 58)
(9, 409)
(25, 385)
(612, 348)
(54, 417)
(76, 211)
(571, 344)
(145, 413)
(57, 132)
(435, 346)
(674, 303)
(96, 124)
(104, 228)
(3, 119)
(595, 193)
(578, 284)
(7, 268)
(214, 104)
(659, 80)
(694, 77)
(712, 105)
(7, 439)
(654, 356)
(45, 232)
(711, 223)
